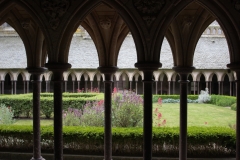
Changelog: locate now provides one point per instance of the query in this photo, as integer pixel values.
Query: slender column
(117, 85)
(78, 83)
(210, 87)
(24, 87)
(130, 83)
(15, 87)
(65, 86)
(183, 72)
(219, 87)
(98, 86)
(236, 67)
(147, 106)
(73, 82)
(198, 87)
(161, 88)
(136, 87)
(169, 87)
(194, 89)
(58, 69)
(36, 84)
(108, 72)
(174, 87)
(12, 86)
(222, 88)
(156, 87)
(230, 92)
(91, 86)
(27, 86)
(86, 86)
(206, 84)
(2, 87)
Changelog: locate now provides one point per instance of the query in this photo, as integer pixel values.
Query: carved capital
(105, 23)
(26, 24)
(149, 9)
(237, 5)
(54, 10)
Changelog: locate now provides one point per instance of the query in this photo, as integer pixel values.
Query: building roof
(211, 53)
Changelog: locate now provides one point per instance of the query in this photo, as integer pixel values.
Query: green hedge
(22, 104)
(156, 97)
(224, 101)
(202, 142)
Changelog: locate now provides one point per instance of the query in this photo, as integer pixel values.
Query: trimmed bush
(22, 103)
(224, 101)
(234, 107)
(202, 141)
(174, 97)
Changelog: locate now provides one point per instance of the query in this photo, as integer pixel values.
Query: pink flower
(164, 122)
(159, 125)
(156, 110)
(159, 115)
(160, 101)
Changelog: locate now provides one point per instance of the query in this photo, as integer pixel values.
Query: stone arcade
(46, 28)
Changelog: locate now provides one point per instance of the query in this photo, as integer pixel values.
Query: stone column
(36, 84)
(91, 86)
(183, 73)
(206, 84)
(148, 70)
(194, 89)
(174, 87)
(230, 88)
(156, 87)
(57, 70)
(27, 86)
(2, 87)
(12, 86)
(236, 67)
(161, 87)
(86, 88)
(65, 86)
(78, 83)
(73, 82)
(136, 87)
(15, 87)
(98, 86)
(108, 72)
(169, 87)
(130, 83)
(24, 87)
(210, 87)
(198, 87)
(219, 87)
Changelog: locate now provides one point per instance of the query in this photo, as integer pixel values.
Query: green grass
(44, 122)
(198, 115)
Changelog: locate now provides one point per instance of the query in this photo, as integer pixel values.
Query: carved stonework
(105, 23)
(149, 9)
(54, 9)
(237, 5)
(26, 24)
(187, 21)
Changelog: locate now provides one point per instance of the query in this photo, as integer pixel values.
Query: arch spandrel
(24, 22)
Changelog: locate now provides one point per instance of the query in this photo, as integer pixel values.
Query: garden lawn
(198, 115)
(44, 122)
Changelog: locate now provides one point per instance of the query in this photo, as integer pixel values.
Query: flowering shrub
(92, 114)
(6, 115)
(127, 110)
(204, 96)
(158, 115)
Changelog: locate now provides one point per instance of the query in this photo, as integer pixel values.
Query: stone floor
(28, 156)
